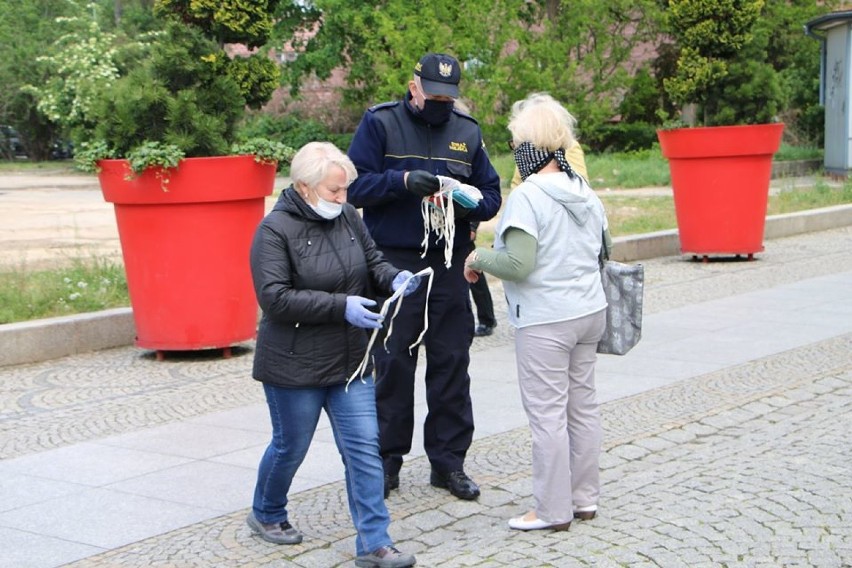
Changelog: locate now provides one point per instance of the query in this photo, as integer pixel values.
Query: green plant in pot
(722, 66)
(188, 194)
(720, 171)
(187, 97)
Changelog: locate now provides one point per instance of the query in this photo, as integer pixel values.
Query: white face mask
(327, 209)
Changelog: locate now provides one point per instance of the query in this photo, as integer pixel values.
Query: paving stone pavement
(748, 465)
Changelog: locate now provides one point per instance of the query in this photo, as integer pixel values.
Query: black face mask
(436, 112)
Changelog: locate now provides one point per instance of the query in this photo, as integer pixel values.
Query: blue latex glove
(358, 315)
(400, 278)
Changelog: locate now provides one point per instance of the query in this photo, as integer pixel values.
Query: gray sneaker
(278, 533)
(385, 557)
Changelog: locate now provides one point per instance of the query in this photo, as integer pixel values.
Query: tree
(81, 64)
(796, 58)
(722, 64)
(25, 27)
(186, 97)
(31, 54)
(578, 50)
(234, 21)
(581, 52)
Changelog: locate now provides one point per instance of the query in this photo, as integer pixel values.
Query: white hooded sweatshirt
(567, 220)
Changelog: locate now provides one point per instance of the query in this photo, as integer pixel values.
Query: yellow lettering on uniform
(458, 146)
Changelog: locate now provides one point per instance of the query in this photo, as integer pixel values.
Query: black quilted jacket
(304, 267)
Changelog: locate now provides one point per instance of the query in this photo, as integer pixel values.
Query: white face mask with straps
(327, 209)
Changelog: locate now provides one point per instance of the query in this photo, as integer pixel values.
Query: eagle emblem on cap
(445, 69)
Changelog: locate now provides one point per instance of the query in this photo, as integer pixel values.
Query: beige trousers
(556, 375)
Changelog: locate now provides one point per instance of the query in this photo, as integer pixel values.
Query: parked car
(10, 143)
(62, 150)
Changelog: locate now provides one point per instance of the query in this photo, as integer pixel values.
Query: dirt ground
(47, 220)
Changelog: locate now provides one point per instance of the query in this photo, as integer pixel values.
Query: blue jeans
(295, 413)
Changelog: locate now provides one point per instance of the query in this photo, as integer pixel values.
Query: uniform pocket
(460, 171)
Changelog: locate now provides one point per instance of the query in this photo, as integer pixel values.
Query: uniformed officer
(398, 149)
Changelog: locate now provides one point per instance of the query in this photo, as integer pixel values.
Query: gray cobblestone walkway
(754, 471)
(727, 443)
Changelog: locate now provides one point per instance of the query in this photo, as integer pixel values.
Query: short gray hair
(542, 121)
(312, 163)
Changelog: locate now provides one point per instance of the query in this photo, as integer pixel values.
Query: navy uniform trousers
(448, 429)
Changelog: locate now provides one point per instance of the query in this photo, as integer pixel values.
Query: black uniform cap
(439, 74)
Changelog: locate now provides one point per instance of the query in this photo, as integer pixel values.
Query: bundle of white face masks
(438, 212)
(396, 297)
(465, 195)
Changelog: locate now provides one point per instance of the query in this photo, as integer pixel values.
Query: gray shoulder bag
(623, 285)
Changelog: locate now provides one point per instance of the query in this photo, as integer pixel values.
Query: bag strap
(603, 255)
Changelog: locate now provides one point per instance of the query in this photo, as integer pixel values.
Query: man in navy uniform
(398, 149)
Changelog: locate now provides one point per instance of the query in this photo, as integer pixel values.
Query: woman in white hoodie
(546, 251)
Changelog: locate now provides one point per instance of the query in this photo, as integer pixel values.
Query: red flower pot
(186, 248)
(720, 179)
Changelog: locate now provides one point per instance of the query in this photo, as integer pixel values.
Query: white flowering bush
(82, 64)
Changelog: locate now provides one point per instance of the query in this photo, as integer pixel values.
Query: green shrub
(291, 129)
(177, 97)
(642, 99)
(722, 63)
(622, 137)
(749, 93)
(187, 97)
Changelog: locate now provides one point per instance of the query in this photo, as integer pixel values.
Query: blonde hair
(312, 163)
(542, 121)
(462, 105)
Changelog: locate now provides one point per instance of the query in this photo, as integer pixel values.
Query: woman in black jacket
(315, 269)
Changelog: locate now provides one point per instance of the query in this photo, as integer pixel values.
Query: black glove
(421, 183)
(461, 212)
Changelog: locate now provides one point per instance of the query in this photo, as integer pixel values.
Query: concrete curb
(40, 340)
(50, 338)
(795, 167)
(667, 243)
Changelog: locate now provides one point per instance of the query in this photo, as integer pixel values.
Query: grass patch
(505, 166)
(63, 167)
(786, 153)
(644, 168)
(629, 215)
(820, 195)
(634, 215)
(84, 286)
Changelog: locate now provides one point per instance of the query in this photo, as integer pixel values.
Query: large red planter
(720, 179)
(186, 248)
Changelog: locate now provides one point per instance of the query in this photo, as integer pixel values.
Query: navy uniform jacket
(391, 140)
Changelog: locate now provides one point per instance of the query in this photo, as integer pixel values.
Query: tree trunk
(552, 8)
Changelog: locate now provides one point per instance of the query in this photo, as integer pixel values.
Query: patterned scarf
(530, 160)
